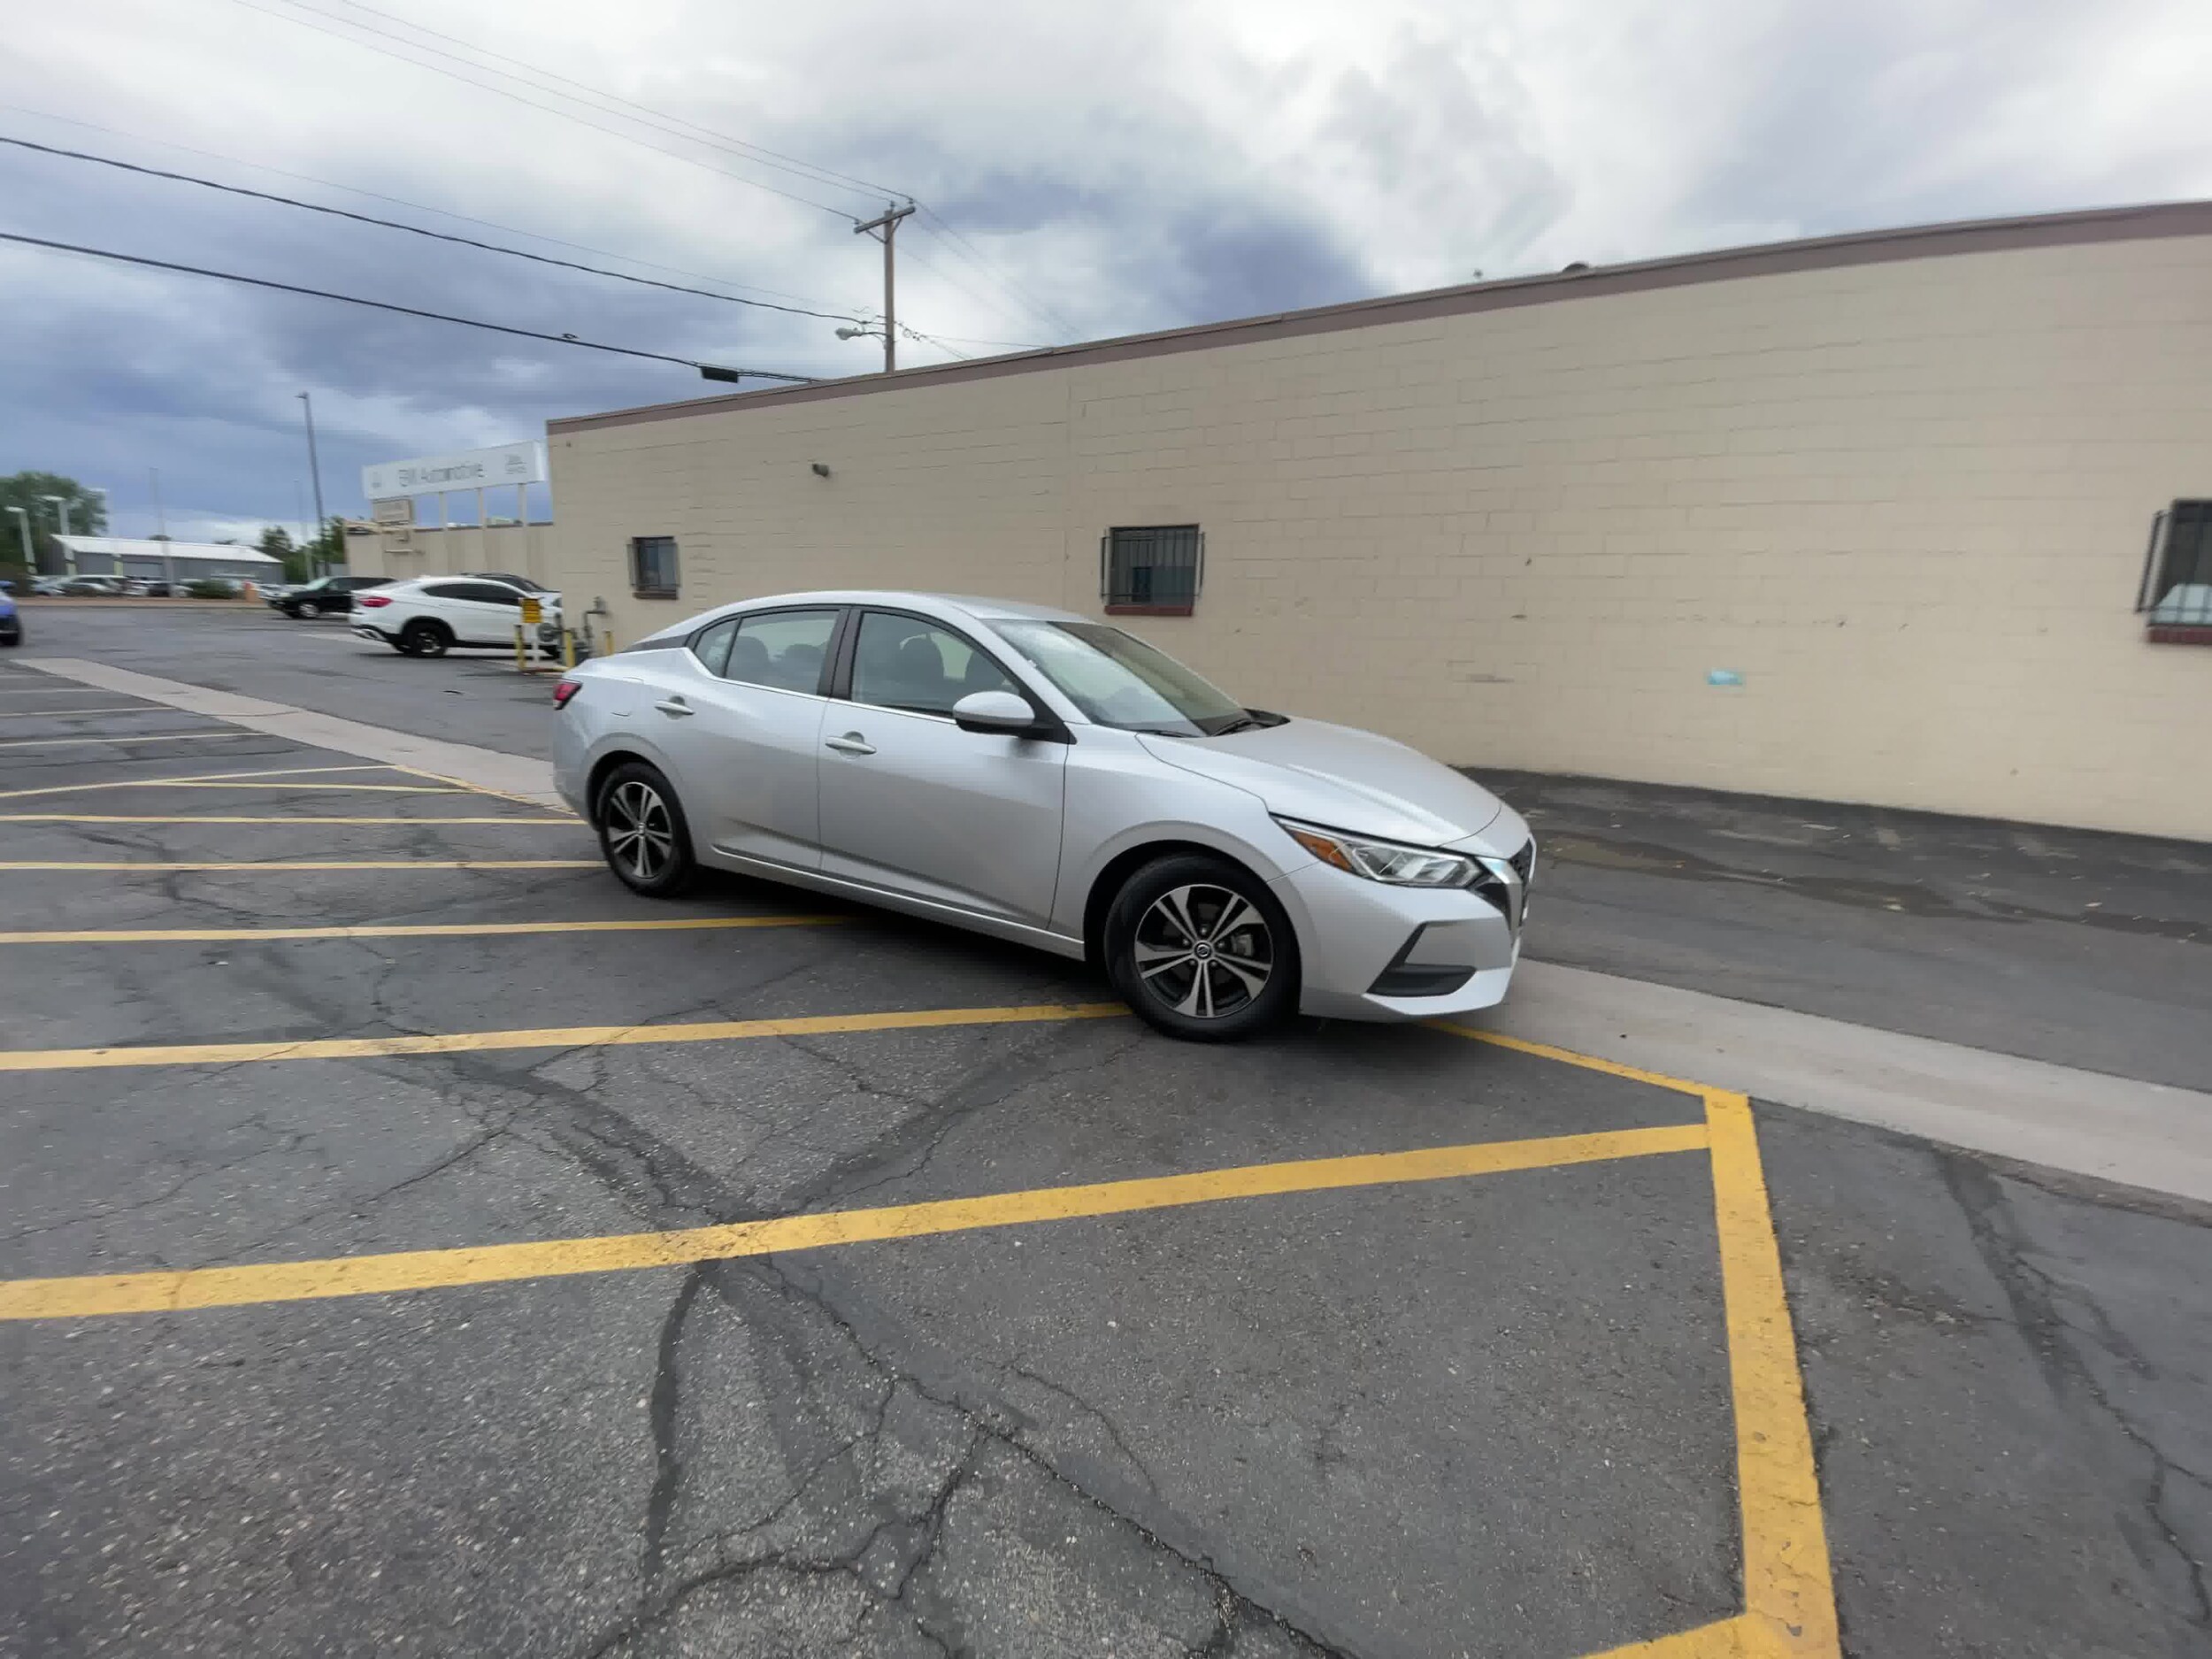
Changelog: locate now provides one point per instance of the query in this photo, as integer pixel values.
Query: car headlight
(1384, 861)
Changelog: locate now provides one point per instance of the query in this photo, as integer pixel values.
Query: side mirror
(999, 711)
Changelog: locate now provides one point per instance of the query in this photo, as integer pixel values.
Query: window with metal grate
(1151, 570)
(654, 572)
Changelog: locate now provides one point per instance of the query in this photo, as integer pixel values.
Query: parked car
(92, 586)
(1054, 780)
(147, 588)
(10, 621)
(48, 586)
(428, 616)
(332, 596)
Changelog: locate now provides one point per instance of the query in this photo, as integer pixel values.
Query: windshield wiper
(1242, 723)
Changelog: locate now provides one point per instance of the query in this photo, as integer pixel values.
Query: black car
(331, 596)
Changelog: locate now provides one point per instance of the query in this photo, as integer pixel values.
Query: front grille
(1524, 864)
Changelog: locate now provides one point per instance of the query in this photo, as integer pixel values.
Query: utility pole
(30, 554)
(317, 565)
(61, 511)
(888, 224)
(161, 530)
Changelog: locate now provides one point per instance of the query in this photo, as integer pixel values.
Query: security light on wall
(821, 469)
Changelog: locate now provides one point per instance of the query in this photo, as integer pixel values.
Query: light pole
(61, 511)
(315, 470)
(23, 525)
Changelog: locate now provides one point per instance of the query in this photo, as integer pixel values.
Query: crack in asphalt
(2038, 1303)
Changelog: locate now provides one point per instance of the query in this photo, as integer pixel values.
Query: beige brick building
(1899, 486)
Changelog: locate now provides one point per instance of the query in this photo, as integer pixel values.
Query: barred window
(2177, 588)
(654, 573)
(1152, 570)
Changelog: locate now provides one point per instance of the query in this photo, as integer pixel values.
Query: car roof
(953, 607)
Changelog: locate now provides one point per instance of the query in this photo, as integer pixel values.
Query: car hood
(1340, 778)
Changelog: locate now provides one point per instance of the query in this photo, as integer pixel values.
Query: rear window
(782, 649)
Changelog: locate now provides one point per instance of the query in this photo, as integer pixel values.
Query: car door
(739, 714)
(485, 613)
(912, 804)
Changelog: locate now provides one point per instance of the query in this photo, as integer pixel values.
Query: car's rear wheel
(642, 831)
(307, 610)
(1199, 948)
(425, 638)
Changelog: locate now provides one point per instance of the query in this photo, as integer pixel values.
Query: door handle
(851, 744)
(675, 705)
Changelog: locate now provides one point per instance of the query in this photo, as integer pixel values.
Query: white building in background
(166, 561)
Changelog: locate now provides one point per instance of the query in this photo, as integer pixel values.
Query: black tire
(8, 640)
(422, 637)
(643, 834)
(307, 610)
(1178, 904)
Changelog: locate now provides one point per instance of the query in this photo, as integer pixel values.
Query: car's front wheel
(642, 833)
(1200, 948)
(307, 610)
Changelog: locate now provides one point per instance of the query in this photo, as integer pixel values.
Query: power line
(790, 164)
(567, 115)
(674, 125)
(1036, 307)
(396, 201)
(710, 370)
(416, 230)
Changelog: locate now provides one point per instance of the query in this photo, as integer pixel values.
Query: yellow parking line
(402, 823)
(1568, 1056)
(550, 1037)
(1787, 1587)
(204, 779)
(211, 734)
(425, 1270)
(194, 783)
(71, 714)
(472, 788)
(315, 863)
(411, 930)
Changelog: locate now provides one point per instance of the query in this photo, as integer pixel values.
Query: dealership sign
(471, 468)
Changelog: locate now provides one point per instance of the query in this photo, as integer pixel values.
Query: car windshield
(1118, 680)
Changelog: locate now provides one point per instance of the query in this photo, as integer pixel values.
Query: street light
(317, 564)
(23, 525)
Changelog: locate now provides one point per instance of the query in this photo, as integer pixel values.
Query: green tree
(327, 551)
(277, 542)
(29, 491)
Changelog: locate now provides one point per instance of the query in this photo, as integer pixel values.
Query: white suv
(431, 615)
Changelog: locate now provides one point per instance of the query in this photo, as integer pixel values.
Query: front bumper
(1351, 931)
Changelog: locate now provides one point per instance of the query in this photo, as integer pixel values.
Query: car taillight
(564, 690)
(372, 601)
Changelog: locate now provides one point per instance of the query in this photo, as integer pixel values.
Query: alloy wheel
(1204, 950)
(641, 838)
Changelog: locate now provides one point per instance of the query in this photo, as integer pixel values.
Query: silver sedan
(1052, 781)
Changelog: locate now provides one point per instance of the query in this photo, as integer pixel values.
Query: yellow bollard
(568, 647)
(520, 667)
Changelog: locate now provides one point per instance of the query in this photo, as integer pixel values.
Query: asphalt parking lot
(411, 1242)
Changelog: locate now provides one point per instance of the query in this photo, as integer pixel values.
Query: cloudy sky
(1087, 169)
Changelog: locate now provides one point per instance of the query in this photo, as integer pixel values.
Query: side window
(493, 594)
(904, 663)
(448, 591)
(712, 647)
(783, 648)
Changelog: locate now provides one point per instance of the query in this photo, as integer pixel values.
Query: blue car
(10, 621)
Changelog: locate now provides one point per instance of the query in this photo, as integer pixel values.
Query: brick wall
(1906, 501)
